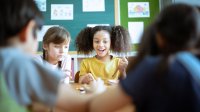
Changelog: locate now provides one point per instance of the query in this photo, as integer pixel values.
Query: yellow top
(104, 70)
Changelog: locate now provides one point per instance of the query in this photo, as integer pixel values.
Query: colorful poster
(40, 34)
(93, 5)
(41, 4)
(135, 29)
(62, 12)
(138, 9)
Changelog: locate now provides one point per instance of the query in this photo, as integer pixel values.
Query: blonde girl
(55, 50)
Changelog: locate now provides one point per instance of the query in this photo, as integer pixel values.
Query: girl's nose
(101, 43)
(61, 49)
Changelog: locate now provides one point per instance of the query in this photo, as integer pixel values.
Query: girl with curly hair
(103, 40)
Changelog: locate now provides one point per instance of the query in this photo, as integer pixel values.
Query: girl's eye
(66, 47)
(57, 46)
(96, 41)
(105, 42)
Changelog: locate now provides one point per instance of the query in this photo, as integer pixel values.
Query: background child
(102, 40)
(55, 50)
(160, 83)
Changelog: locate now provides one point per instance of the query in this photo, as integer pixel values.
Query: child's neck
(105, 58)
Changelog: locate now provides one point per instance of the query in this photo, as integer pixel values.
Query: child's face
(56, 51)
(101, 43)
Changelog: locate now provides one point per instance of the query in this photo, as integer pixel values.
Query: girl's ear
(22, 35)
(44, 46)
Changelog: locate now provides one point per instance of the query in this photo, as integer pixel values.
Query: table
(77, 86)
(127, 108)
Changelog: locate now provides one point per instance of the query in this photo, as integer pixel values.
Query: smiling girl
(102, 40)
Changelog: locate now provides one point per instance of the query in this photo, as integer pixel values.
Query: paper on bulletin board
(93, 25)
(41, 4)
(135, 29)
(62, 12)
(138, 9)
(42, 32)
(93, 5)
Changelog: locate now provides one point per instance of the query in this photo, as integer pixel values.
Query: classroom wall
(191, 2)
(124, 19)
(154, 8)
(81, 19)
(115, 14)
(164, 3)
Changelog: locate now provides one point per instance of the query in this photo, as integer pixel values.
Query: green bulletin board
(124, 19)
(80, 19)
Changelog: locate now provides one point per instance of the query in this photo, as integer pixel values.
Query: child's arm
(85, 76)
(70, 100)
(111, 100)
(123, 63)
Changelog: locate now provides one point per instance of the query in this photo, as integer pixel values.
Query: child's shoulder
(88, 60)
(13, 57)
(13, 53)
(67, 56)
(38, 58)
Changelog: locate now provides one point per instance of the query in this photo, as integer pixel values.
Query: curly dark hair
(119, 36)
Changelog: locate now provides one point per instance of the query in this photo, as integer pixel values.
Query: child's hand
(66, 76)
(86, 79)
(67, 73)
(96, 87)
(123, 63)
